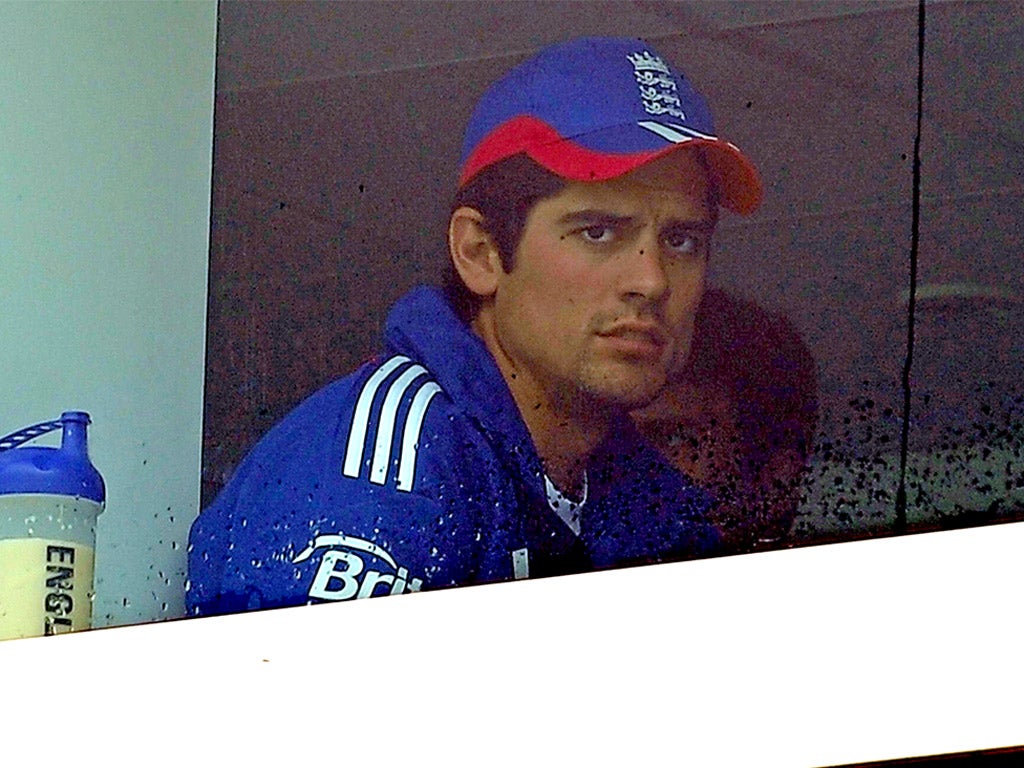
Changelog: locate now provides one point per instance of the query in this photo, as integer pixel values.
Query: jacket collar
(423, 326)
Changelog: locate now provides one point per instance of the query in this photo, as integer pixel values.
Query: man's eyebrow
(596, 216)
(706, 225)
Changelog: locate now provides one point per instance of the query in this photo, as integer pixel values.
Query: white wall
(105, 146)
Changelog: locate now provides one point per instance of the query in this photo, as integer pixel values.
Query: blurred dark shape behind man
(739, 417)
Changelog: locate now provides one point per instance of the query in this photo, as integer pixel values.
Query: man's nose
(643, 273)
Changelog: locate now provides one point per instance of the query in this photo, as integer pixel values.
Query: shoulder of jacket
(385, 422)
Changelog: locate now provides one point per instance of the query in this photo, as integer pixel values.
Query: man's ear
(473, 252)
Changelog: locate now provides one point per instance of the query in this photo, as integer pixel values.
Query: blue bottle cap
(65, 471)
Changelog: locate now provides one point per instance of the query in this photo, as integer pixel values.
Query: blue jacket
(417, 472)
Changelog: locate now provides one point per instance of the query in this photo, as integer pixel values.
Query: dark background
(337, 134)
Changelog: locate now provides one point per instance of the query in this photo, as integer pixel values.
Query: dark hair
(504, 194)
(762, 366)
(763, 362)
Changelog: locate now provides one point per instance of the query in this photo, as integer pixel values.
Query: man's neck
(563, 444)
(564, 434)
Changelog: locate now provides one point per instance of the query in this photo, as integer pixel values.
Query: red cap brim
(735, 177)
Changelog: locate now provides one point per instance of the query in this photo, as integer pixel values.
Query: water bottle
(49, 501)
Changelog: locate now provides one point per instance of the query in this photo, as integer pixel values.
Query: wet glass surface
(804, 416)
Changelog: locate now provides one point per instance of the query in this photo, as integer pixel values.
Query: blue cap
(595, 108)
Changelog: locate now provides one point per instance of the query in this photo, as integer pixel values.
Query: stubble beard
(606, 389)
(612, 384)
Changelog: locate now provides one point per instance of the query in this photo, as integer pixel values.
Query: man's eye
(599, 233)
(686, 243)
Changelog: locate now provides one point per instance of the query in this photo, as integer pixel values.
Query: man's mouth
(636, 337)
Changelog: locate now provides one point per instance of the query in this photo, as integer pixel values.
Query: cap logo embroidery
(656, 86)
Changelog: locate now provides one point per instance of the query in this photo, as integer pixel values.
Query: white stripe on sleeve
(411, 436)
(386, 425)
(361, 417)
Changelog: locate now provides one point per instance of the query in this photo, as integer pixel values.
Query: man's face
(600, 302)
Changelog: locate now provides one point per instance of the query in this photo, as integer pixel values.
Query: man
(491, 439)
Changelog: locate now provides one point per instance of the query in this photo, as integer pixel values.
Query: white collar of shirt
(567, 509)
